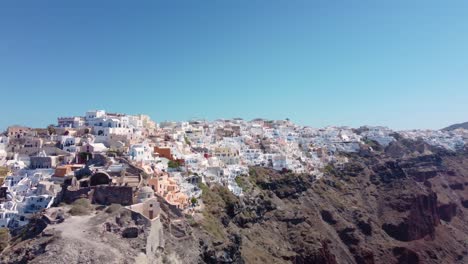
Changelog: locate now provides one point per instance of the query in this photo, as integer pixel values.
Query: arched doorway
(99, 178)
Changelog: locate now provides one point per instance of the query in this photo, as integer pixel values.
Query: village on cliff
(112, 158)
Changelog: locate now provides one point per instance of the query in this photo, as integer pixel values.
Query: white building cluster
(451, 140)
(28, 192)
(175, 156)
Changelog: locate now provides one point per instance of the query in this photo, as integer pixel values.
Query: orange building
(169, 189)
(65, 170)
(164, 152)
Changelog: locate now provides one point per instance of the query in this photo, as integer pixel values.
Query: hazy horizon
(398, 64)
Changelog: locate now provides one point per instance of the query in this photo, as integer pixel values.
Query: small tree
(194, 201)
(145, 175)
(51, 129)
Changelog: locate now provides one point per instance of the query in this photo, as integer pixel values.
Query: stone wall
(71, 196)
(113, 194)
(101, 195)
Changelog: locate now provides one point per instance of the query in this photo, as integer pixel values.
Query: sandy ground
(77, 228)
(83, 241)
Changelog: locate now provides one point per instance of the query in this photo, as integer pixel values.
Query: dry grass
(214, 204)
(113, 208)
(4, 171)
(81, 207)
(4, 238)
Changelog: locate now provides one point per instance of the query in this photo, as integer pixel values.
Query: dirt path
(77, 231)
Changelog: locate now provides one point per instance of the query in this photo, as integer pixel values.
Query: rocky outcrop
(222, 252)
(405, 256)
(447, 211)
(28, 250)
(421, 221)
(321, 255)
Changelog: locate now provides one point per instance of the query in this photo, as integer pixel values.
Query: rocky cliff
(406, 203)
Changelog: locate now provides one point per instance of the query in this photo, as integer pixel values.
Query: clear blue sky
(403, 64)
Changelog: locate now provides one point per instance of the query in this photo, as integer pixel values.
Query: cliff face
(405, 204)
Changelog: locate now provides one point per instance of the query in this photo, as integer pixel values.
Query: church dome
(144, 194)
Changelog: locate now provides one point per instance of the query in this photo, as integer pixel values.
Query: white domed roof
(146, 189)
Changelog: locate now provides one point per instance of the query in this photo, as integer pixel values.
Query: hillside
(407, 203)
(375, 209)
(456, 126)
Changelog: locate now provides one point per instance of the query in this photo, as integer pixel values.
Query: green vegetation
(208, 196)
(217, 201)
(51, 129)
(193, 201)
(174, 164)
(252, 172)
(329, 169)
(187, 141)
(4, 238)
(257, 175)
(372, 143)
(243, 182)
(81, 207)
(145, 176)
(211, 223)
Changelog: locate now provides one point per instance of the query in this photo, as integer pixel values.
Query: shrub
(113, 208)
(51, 129)
(145, 176)
(242, 182)
(80, 207)
(173, 164)
(193, 201)
(83, 202)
